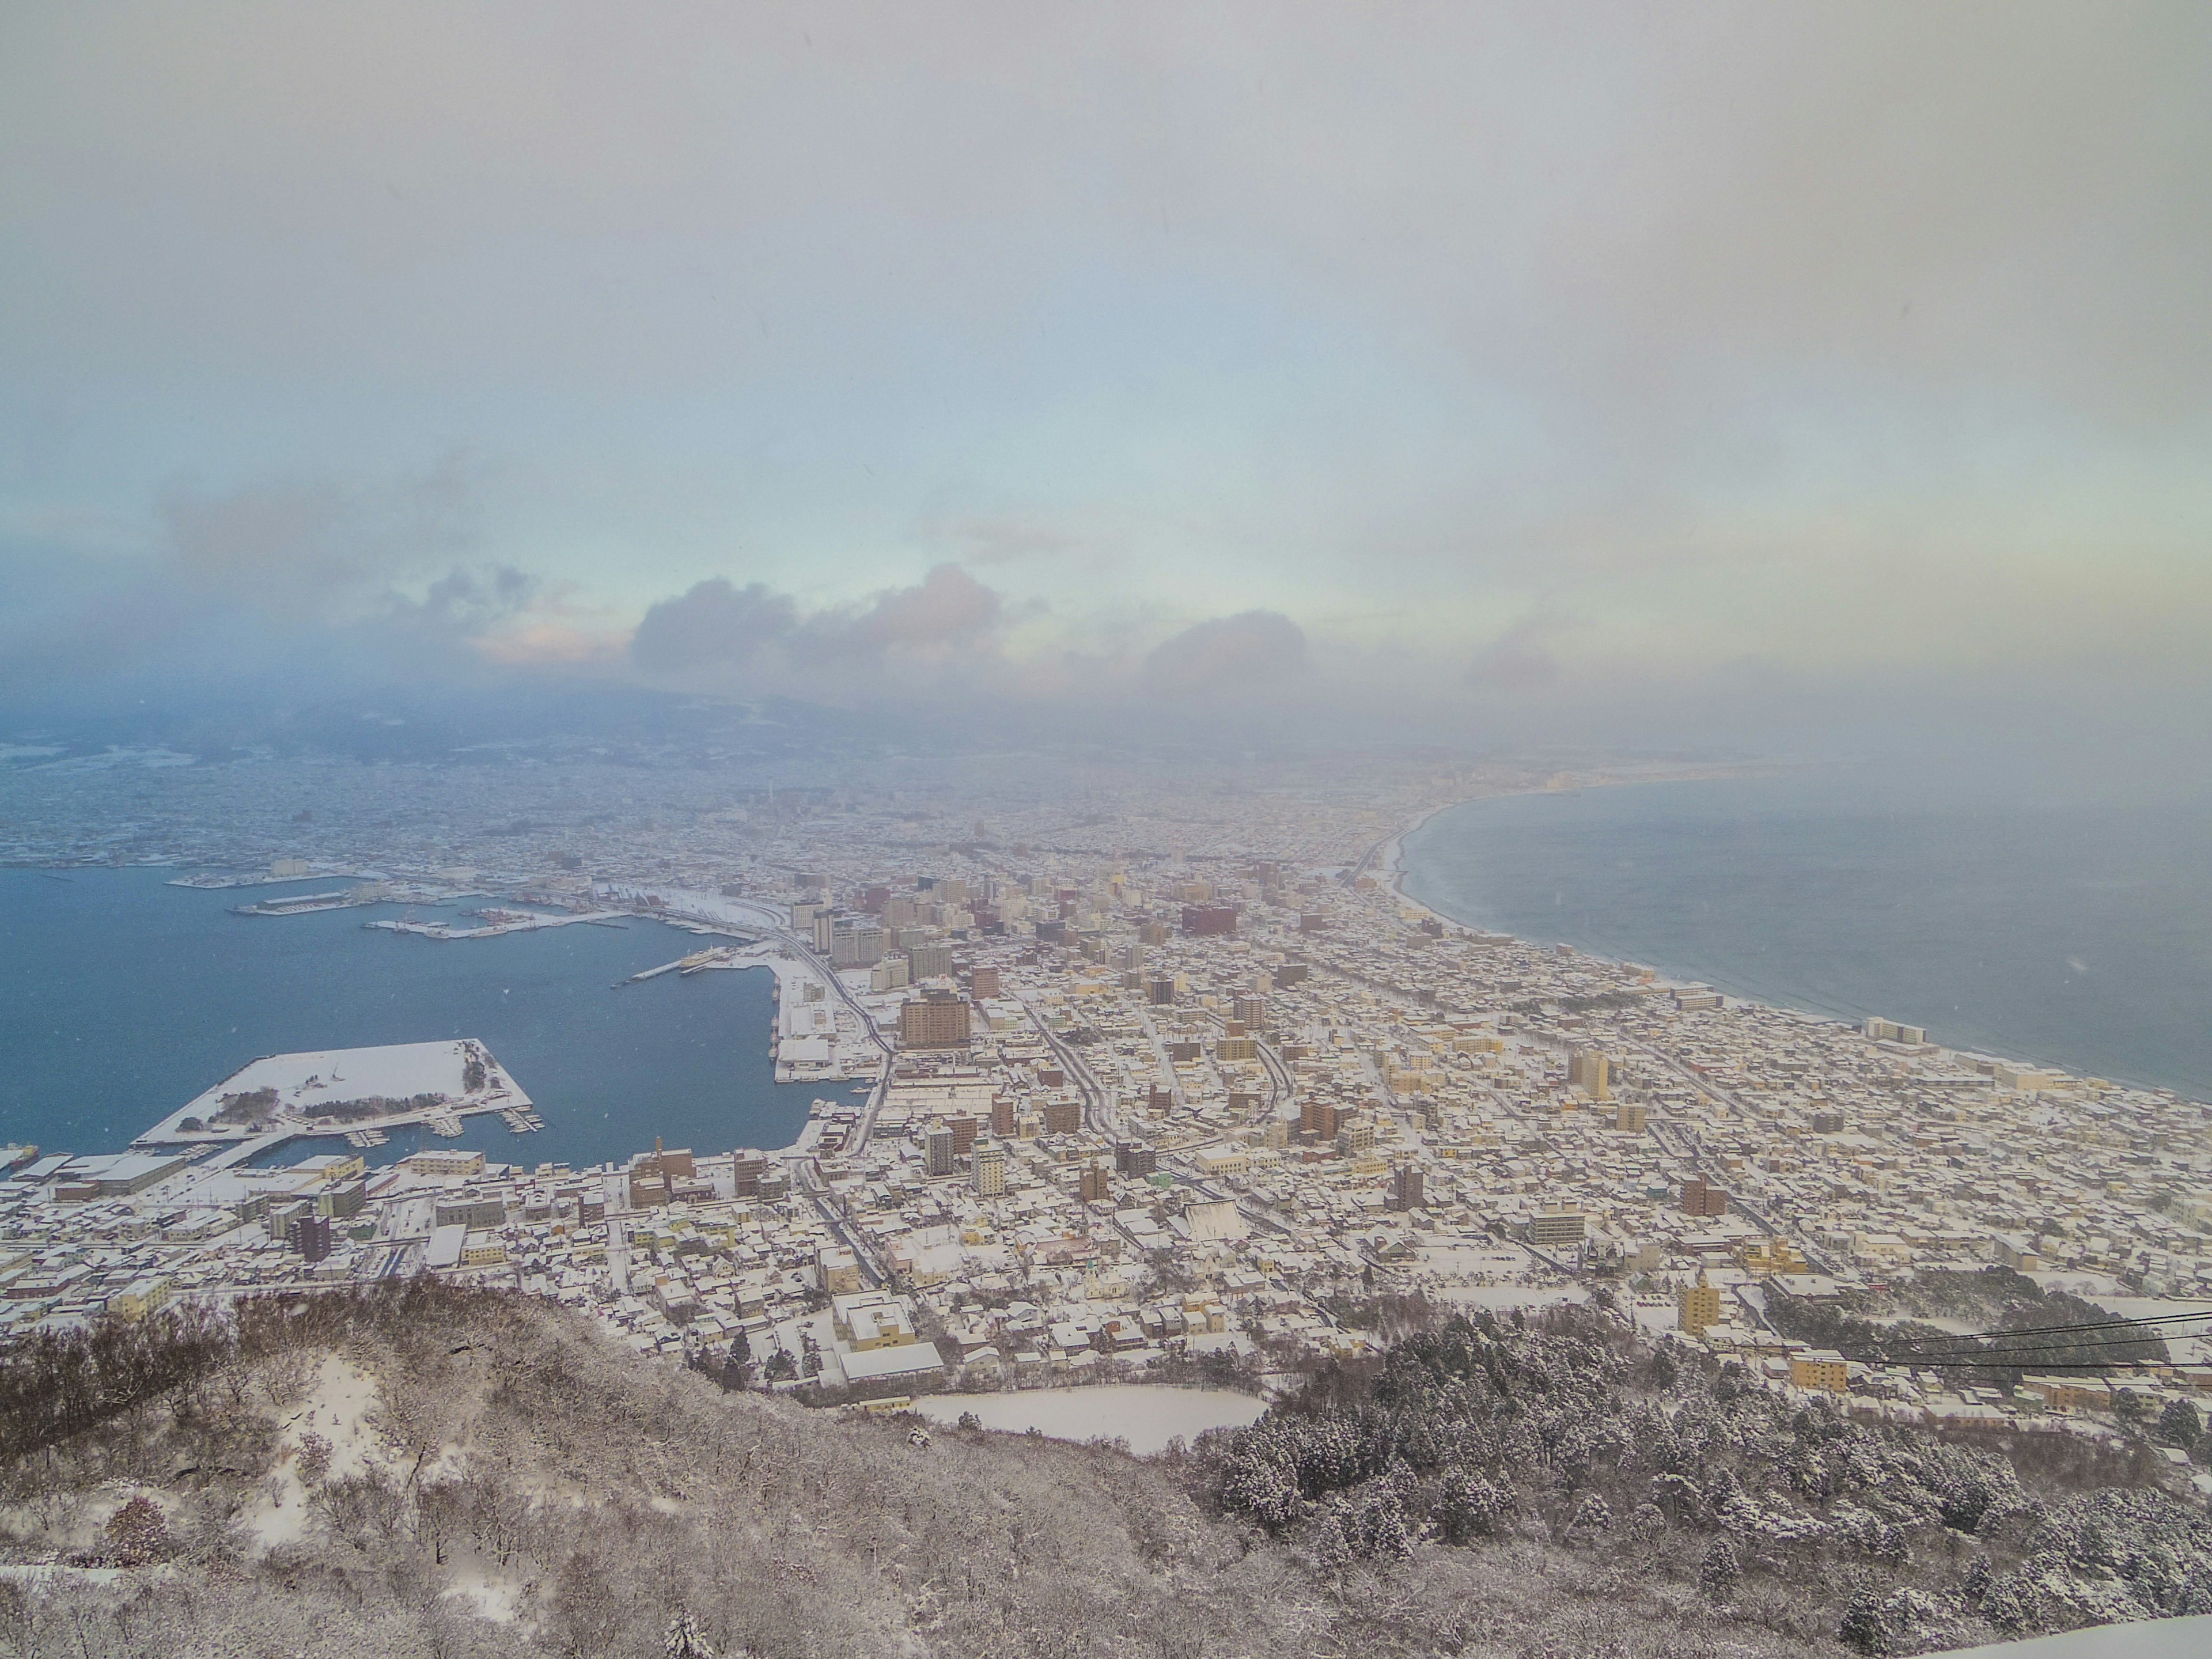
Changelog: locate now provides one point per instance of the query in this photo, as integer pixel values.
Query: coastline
(2027, 1053)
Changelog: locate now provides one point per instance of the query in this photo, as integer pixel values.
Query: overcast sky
(1593, 369)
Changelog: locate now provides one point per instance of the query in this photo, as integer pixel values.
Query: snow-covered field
(395, 1071)
(1146, 1417)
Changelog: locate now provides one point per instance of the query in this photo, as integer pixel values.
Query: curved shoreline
(1724, 978)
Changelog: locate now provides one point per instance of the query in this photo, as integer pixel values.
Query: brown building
(983, 982)
(1097, 1185)
(749, 1167)
(1699, 1199)
(1407, 1187)
(1131, 1160)
(1321, 1118)
(1062, 1117)
(935, 1019)
(1209, 919)
(964, 1134)
(1002, 1116)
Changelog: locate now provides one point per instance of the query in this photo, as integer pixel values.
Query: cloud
(944, 629)
(314, 549)
(1253, 650)
(713, 625)
(1520, 659)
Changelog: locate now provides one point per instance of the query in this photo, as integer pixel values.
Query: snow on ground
(1498, 1297)
(303, 1082)
(1145, 1416)
(338, 1403)
(2148, 1638)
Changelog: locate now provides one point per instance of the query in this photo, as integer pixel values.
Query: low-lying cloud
(718, 636)
(1252, 651)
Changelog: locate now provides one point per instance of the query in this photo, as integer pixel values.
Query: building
(1160, 991)
(990, 1170)
(931, 961)
(1630, 1118)
(1407, 1187)
(935, 1019)
(469, 1209)
(1063, 1117)
(1698, 1307)
(866, 1320)
(1587, 1070)
(310, 1235)
(983, 983)
(891, 974)
(1096, 1184)
(1136, 1159)
(938, 1148)
(1558, 1227)
(1355, 1134)
(836, 1270)
(444, 1161)
(1819, 1367)
(1002, 1116)
(1699, 1199)
(1209, 920)
(1318, 1118)
(964, 1129)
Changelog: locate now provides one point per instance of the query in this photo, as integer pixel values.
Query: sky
(1672, 375)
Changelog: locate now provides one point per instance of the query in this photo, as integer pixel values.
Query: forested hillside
(426, 1472)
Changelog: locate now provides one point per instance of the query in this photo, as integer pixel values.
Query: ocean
(122, 997)
(2062, 934)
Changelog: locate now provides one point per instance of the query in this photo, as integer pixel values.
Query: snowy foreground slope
(433, 1472)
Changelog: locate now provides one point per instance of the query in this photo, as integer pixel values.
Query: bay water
(122, 997)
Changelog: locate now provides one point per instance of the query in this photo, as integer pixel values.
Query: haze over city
(1729, 373)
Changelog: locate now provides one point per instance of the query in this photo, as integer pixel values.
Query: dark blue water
(2071, 935)
(122, 997)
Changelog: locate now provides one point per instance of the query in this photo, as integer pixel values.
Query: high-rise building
(1002, 1116)
(1159, 990)
(1252, 1012)
(1318, 1118)
(1631, 1117)
(1407, 1187)
(748, 1167)
(964, 1129)
(990, 1170)
(983, 982)
(1355, 1134)
(930, 961)
(310, 1235)
(935, 1019)
(1586, 1071)
(1134, 1158)
(1699, 1306)
(1699, 1199)
(1208, 920)
(937, 1146)
(1096, 1184)
(1062, 1117)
